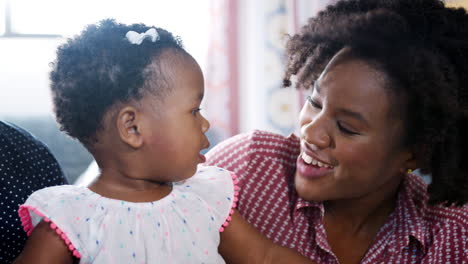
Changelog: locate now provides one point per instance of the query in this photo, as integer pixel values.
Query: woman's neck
(363, 214)
(351, 225)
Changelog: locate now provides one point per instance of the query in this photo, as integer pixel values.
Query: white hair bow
(137, 38)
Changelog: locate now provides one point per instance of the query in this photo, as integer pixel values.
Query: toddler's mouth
(202, 158)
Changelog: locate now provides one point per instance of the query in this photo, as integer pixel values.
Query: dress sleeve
(50, 205)
(218, 188)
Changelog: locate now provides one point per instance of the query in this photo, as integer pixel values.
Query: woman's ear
(410, 162)
(128, 125)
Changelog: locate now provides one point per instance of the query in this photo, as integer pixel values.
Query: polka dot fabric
(182, 227)
(26, 165)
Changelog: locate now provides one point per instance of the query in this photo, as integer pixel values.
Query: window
(30, 31)
(67, 17)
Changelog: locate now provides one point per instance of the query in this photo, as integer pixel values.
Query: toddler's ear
(128, 127)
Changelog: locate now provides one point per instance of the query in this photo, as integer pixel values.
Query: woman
(388, 94)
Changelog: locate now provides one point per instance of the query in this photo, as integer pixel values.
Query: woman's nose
(315, 132)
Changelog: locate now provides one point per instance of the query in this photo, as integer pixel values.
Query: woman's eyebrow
(345, 111)
(354, 115)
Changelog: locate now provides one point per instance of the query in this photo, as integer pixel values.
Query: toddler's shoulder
(216, 188)
(204, 172)
(60, 199)
(210, 177)
(55, 192)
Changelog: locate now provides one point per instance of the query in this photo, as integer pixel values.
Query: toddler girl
(131, 95)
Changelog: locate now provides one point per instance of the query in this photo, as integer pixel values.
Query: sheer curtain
(221, 72)
(246, 62)
(244, 67)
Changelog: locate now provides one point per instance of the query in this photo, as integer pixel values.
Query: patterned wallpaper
(458, 3)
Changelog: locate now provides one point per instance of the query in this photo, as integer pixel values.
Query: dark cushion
(26, 165)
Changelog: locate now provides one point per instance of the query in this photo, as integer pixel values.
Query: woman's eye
(313, 103)
(345, 130)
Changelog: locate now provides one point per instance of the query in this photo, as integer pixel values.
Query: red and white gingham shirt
(265, 165)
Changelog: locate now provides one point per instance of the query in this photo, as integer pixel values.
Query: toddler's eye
(196, 110)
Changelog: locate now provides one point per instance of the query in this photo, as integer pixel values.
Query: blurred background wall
(238, 43)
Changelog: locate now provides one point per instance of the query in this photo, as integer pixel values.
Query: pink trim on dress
(28, 227)
(234, 202)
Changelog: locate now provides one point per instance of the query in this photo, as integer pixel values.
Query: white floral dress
(183, 227)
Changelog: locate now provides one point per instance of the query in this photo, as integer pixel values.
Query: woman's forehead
(355, 86)
(351, 73)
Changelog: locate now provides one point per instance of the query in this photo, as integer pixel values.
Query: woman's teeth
(309, 160)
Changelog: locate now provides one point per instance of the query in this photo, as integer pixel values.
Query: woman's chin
(308, 190)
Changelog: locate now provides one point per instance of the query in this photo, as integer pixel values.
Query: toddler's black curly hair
(99, 68)
(422, 47)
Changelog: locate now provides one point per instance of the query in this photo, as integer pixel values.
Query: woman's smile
(311, 168)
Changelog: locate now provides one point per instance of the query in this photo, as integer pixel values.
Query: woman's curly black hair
(99, 68)
(422, 47)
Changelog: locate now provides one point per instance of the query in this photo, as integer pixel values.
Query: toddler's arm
(242, 243)
(44, 246)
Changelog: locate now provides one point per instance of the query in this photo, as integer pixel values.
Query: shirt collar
(409, 212)
(298, 202)
(301, 205)
(407, 216)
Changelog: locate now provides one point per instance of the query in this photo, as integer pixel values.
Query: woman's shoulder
(417, 187)
(258, 137)
(437, 227)
(436, 215)
(455, 217)
(257, 144)
(269, 138)
(445, 221)
(446, 231)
